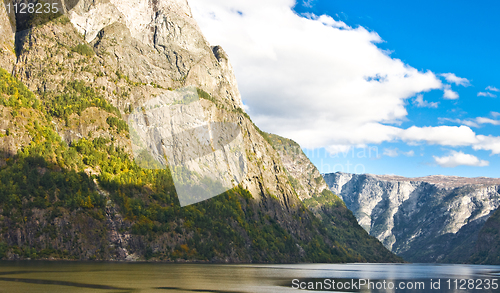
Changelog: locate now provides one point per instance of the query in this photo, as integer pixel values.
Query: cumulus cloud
(452, 78)
(449, 94)
(312, 78)
(492, 88)
(421, 103)
(488, 143)
(323, 83)
(459, 159)
(453, 136)
(440, 135)
(486, 94)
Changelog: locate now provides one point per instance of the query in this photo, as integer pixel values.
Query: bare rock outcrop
(422, 219)
(7, 39)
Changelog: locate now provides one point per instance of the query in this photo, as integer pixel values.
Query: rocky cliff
(70, 187)
(7, 35)
(427, 219)
(312, 189)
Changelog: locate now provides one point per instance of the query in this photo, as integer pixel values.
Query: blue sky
(381, 87)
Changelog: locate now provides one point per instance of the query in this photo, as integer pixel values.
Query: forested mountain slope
(69, 186)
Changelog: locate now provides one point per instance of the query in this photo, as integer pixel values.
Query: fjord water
(39, 276)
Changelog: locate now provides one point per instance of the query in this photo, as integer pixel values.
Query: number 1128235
(32, 8)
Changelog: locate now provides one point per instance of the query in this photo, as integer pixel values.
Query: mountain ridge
(443, 180)
(423, 221)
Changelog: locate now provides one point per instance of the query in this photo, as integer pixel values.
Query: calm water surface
(82, 277)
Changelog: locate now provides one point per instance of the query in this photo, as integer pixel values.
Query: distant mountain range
(428, 219)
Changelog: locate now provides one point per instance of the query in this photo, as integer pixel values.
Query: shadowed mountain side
(487, 246)
(314, 192)
(55, 204)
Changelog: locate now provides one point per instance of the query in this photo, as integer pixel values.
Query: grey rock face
(158, 46)
(421, 219)
(156, 41)
(7, 22)
(309, 182)
(139, 51)
(173, 128)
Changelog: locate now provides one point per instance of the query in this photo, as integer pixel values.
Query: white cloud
(459, 159)
(391, 152)
(459, 121)
(326, 20)
(308, 3)
(336, 149)
(322, 83)
(419, 102)
(484, 120)
(395, 152)
(492, 88)
(469, 123)
(245, 107)
(312, 78)
(452, 78)
(449, 93)
(409, 153)
(487, 94)
(494, 114)
(440, 135)
(488, 143)
(476, 122)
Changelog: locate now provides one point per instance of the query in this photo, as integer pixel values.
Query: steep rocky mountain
(69, 185)
(427, 219)
(7, 54)
(312, 189)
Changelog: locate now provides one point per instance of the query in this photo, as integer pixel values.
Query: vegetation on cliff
(339, 222)
(57, 198)
(69, 188)
(487, 248)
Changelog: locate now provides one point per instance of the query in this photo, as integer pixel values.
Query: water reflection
(150, 277)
